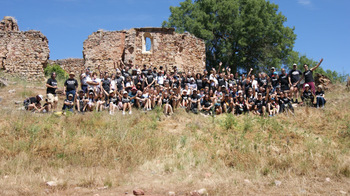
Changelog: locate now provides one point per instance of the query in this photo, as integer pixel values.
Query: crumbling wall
(103, 48)
(167, 48)
(23, 54)
(9, 23)
(70, 65)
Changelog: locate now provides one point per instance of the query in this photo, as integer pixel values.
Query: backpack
(26, 102)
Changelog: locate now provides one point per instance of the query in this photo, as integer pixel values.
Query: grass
(183, 152)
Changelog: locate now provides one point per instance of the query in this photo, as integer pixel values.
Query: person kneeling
(33, 104)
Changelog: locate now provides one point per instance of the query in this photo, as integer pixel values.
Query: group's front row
(260, 101)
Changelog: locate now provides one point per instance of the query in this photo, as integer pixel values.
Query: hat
(91, 93)
(194, 89)
(275, 73)
(111, 91)
(41, 97)
(139, 83)
(125, 92)
(294, 64)
(184, 91)
(240, 91)
(83, 75)
(273, 68)
(223, 86)
(70, 95)
(259, 94)
(81, 91)
(72, 73)
(133, 88)
(307, 85)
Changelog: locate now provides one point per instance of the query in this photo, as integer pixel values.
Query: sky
(322, 26)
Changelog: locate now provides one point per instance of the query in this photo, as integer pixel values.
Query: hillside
(95, 153)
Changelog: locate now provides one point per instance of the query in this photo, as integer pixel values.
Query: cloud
(305, 2)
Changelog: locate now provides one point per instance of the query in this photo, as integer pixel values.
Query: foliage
(60, 73)
(242, 34)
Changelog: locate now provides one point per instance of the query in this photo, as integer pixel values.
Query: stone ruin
(22, 54)
(139, 46)
(75, 65)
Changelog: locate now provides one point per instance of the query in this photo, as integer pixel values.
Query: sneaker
(123, 113)
(130, 112)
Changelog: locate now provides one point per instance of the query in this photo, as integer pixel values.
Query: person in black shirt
(307, 96)
(165, 100)
(285, 103)
(283, 80)
(70, 85)
(206, 104)
(33, 104)
(293, 77)
(51, 85)
(68, 103)
(260, 105)
(308, 76)
(320, 100)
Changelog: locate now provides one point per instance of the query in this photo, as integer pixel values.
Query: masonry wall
(104, 49)
(70, 65)
(167, 48)
(24, 54)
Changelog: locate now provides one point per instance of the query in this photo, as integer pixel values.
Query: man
(293, 77)
(51, 85)
(68, 103)
(70, 85)
(283, 80)
(308, 76)
(33, 104)
(273, 76)
(83, 80)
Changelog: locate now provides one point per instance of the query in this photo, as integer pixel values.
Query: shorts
(285, 88)
(52, 98)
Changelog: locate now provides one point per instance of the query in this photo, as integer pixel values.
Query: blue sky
(322, 26)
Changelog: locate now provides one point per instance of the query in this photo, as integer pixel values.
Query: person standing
(70, 85)
(308, 76)
(293, 77)
(51, 85)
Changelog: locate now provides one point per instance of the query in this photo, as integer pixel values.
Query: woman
(125, 99)
(167, 109)
(272, 107)
(320, 99)
(308, 76)
(100, 101)
(113, 102)
(206, 105)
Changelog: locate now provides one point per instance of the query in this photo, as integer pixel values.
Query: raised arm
(312, 69)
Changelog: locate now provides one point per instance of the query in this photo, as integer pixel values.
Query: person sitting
(206, 105)
(272, 107)
(307, 96)
(68, 103)
(320, 99)
(80, 101)
(126, 102)
(260, 105)
(168, 110)
(33, 104)
(285, 102)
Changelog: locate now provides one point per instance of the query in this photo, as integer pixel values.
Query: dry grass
(100, 154)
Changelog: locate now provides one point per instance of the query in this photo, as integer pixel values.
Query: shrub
(60, 73)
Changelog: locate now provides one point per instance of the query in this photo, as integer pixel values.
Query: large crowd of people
(214, 91)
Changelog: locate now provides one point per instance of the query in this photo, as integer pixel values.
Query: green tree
(242, 34)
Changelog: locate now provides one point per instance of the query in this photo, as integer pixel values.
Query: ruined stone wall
(104, 49)
(167, 48)
(70, 65)
(23, 54)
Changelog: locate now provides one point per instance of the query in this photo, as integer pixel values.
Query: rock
(101, 188)
(328, 179)
(247, 181)
(278, 183)
(3, 83)
(138, 192)
(200, 192)
(52, 183)
(18, 102)
(343, 192)
(171, 193)
(12, 91)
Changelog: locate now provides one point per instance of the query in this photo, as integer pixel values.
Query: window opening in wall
(148, 44)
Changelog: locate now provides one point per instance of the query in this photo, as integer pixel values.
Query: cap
(275, 73)
(133, 88)
(125, 92)
(184, 91)
(240, 91)
(273, 68)
(294, 64)
(259, 94)
(81, 91)
(70, 95)
(307, 85)
(111, 91)
(223, 86)
(41, 97)
(91, 93)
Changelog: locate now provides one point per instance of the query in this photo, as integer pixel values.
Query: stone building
(75, 65)
(23, 54)
(139, 46)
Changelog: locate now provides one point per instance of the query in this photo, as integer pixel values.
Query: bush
(60, 73)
